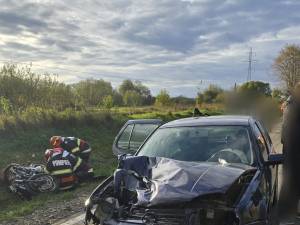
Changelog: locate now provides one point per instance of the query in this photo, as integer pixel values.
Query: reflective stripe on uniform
(75, 150)
(87, 150)
(66, 188)
(78, 163)
(61, 172)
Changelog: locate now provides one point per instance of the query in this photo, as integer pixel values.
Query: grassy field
(25, 138)
(22, 147)
(27, 145)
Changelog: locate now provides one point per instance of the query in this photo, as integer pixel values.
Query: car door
(271, 150)
(254, 204)
(133, 134)
(265, 147)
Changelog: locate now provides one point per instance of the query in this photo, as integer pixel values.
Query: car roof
(210, 120)
(144, 121)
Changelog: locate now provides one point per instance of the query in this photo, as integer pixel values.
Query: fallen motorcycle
(27, 181)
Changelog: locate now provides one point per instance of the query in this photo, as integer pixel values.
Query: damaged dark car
(220, 170)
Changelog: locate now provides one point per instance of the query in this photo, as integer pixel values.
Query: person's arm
(75, 146)
(75, 161)
(84, 147)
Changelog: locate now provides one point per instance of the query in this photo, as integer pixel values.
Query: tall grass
(33, 118)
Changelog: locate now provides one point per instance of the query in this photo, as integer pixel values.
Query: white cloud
(167, 43)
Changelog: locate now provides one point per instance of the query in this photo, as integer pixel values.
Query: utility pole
(249, 77)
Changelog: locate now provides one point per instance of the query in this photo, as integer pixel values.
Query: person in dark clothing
(76, 146)
(63, 166)
(285, 114)
(290, 192)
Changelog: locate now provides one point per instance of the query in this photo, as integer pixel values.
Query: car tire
(7, 176)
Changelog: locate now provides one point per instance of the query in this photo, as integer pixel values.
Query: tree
(139, 88)
(93, 91)
(287, 65)
(163, 98)
(24, 88)
(117, 98)
(199, 99)
(132, 98)
(277, 94)
(210, 94)
(221, 97)
(108, 102)
(144, 92)
(127, 85)
(255, 89)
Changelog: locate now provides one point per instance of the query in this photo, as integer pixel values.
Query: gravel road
(54, 211)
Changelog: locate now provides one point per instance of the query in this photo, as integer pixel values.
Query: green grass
(27, 146)
(171, 115)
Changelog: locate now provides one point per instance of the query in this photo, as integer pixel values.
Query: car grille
(162, 216)
(183, 217)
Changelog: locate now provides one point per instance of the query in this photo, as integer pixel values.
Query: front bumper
(178, 216)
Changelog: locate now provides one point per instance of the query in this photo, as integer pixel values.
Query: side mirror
(124, 156)
(275, 159)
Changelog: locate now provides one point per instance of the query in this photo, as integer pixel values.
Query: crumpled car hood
(178, 181)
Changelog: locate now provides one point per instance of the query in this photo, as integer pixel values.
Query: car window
(123, 141)
(203, 143)
(261, 142)
(266, 136)
(139, 134)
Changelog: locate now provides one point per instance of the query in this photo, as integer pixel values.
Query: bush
(212, 94)
(163, 99)
(108, 102)
(5, 106)
(132, 98)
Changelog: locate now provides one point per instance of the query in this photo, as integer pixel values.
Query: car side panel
(253, 206)
(271, 172)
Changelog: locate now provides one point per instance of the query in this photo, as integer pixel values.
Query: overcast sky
(180, 45)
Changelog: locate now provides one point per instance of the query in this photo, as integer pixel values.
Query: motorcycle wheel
(9, 174)
(42, 183)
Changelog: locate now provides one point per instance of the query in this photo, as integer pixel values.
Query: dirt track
(53, 212)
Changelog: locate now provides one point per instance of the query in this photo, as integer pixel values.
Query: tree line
(21, 88)
(248, 90)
